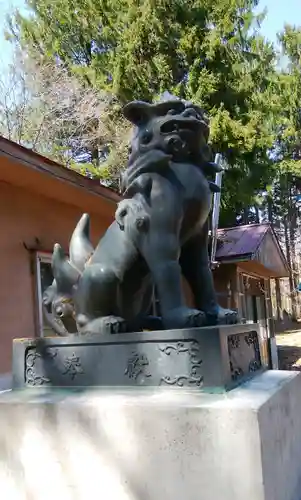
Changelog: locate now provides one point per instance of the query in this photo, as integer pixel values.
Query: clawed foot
(184, 317)
(220, 316)
(227, 316)
(104, 325)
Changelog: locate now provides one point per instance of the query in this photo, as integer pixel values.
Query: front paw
(104, 325)
(184, 317)
(227, 316)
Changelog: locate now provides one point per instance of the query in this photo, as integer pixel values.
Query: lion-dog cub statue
(160, 233)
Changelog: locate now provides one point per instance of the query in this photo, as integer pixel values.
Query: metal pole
(216, 208)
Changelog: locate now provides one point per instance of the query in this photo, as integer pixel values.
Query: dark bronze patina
(160, 232)
(210, 359)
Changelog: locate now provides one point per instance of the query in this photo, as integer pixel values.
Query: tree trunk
(291, 277)
(270, 210)
(246, 215)
(292, 243)
(95, 155)
(294, 267)
(278, 300)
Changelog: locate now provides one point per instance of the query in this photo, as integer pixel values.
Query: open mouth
(176, 126)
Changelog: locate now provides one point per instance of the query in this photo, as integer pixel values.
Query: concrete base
(154, 444)
(6, 380)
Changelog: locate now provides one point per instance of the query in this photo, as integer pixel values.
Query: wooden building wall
(250, 295)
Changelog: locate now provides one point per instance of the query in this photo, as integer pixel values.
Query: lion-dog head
(171, 130)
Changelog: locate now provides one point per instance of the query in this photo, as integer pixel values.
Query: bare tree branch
(45, 108)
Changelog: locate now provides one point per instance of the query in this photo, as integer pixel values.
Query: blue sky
(279, 12)
(6, 7)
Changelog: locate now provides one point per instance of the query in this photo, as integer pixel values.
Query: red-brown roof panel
(240, 240)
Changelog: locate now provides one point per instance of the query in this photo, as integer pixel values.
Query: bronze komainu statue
(160, 233)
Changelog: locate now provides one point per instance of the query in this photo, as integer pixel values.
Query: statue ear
(64, 273)
(137, 112)
(49, 294)
(80, 248)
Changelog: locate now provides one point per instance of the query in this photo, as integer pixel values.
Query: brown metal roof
(240, 240)
(253, 245)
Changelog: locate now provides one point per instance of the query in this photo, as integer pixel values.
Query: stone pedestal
(212, 359)
(154, 443)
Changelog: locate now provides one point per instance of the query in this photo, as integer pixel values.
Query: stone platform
(213, 359)
(153, 443)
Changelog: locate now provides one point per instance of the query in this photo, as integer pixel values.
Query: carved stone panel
(189, 353)
(244, 354)
(207, 359)
(36, 365)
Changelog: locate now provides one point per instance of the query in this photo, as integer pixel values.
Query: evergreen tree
(281, 198)
(203, 50)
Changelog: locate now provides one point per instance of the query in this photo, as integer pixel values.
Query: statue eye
(171, 112)
(146, 137)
